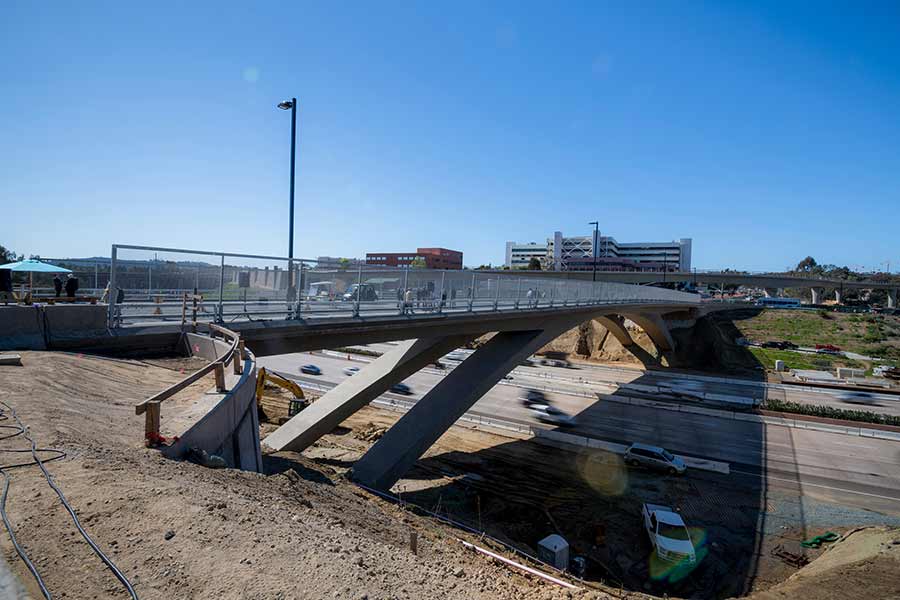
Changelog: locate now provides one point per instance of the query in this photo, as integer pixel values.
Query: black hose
(15, 542)
(40, 463)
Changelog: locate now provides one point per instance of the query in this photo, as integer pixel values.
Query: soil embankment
(707, 345)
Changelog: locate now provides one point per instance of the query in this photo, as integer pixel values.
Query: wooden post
(239, 358)
(414, 542)
(151, 421)
(220, 377)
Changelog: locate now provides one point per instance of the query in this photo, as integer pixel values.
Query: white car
(457, 355)
(547, 413)
(351, 371)
(668, 534)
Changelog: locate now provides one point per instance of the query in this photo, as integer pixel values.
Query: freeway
(848, 470)
(600, 377)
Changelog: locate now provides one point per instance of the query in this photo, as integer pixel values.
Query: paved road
(598, 377)
(849, 470)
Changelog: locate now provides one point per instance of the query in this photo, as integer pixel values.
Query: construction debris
(13, 360)
(370, 432)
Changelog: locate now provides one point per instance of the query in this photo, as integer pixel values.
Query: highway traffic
(851, 470)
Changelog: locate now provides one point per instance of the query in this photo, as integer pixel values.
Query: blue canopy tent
(32, 266)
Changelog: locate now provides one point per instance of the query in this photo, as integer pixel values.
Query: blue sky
(766, 131)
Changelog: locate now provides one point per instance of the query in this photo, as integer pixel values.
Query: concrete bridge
(517, 335)
(770, 282)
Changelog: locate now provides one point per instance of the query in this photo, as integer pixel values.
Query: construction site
(465, 522)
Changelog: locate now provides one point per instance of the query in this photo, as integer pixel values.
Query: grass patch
(360, 351)
(800, 360)
(849, 331)
(830, 412)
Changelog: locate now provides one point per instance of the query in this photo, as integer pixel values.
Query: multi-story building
(435, 258)
(519, 255)
(577, 253)
(336, 262)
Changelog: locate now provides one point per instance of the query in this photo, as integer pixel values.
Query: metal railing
(248, 287)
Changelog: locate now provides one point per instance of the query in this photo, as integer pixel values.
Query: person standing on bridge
(529, 295)
(57, 285)
(407, 302)
(71, 285)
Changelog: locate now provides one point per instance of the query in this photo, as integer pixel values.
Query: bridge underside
(404, 443)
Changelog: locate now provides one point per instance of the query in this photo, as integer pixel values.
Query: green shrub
(829, 412)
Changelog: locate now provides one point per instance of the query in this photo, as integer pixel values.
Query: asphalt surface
(848, 470)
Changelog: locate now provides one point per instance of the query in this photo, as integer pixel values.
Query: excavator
(296, 405)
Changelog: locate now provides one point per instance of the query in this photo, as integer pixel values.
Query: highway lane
(598, 377)
(850, 470)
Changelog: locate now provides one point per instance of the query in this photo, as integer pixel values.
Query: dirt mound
(864, 564)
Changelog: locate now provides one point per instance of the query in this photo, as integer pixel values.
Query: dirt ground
(865, 564)
(302, 530)
(179, 530)
(519, 491)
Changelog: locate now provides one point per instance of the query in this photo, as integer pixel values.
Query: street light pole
(292, 105)
(594, 247)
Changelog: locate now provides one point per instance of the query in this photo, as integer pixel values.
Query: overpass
(279, 305)
(770, 282)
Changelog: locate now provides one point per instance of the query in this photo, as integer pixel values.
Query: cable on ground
(20, 429)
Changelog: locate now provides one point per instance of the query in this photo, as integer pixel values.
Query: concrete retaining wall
(231, 428)
(43, 327)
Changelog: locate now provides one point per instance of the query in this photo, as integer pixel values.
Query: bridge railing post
(472, 292)
(220, 318)
(440, 295)
(497, 295)
(112, 296)
(358, 289)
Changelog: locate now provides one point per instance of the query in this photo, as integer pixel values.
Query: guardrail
(244, 286)
(150, 407)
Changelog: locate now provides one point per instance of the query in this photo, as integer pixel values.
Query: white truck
(668, 534)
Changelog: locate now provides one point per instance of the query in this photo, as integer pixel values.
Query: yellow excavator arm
(262, 376)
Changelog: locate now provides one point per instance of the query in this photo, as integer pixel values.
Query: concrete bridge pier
(770, 292)
(817, 294)
(892, 298)
(616, 327)
(355, 392)
(655, 326)
(402, 445)
(837, 296)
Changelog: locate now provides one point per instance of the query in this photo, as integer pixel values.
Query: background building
(561, 253)
(435, 258)
(519, 255)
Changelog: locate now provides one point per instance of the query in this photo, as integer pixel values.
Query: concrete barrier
(22, 328)
(42, 327)
(231, 428)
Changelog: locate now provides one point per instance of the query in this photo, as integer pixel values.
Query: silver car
(654, 457)
(857, 398)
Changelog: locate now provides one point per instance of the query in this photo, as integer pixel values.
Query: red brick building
(435, 258)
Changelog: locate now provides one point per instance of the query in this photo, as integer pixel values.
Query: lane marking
(819, 485)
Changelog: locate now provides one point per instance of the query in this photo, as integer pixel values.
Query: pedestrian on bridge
(57, 285)
(71, 285)
(407, 302)
(529, 296)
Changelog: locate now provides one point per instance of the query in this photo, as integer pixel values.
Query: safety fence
(148, 284)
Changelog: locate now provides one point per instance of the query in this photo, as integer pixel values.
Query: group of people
(71, 285)
(419, 298)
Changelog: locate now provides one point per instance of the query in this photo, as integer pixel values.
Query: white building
(576, 253)
(519, 255)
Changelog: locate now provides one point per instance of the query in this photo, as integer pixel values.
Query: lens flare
(603, 471)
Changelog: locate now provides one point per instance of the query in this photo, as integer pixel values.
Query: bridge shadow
(521, 491)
